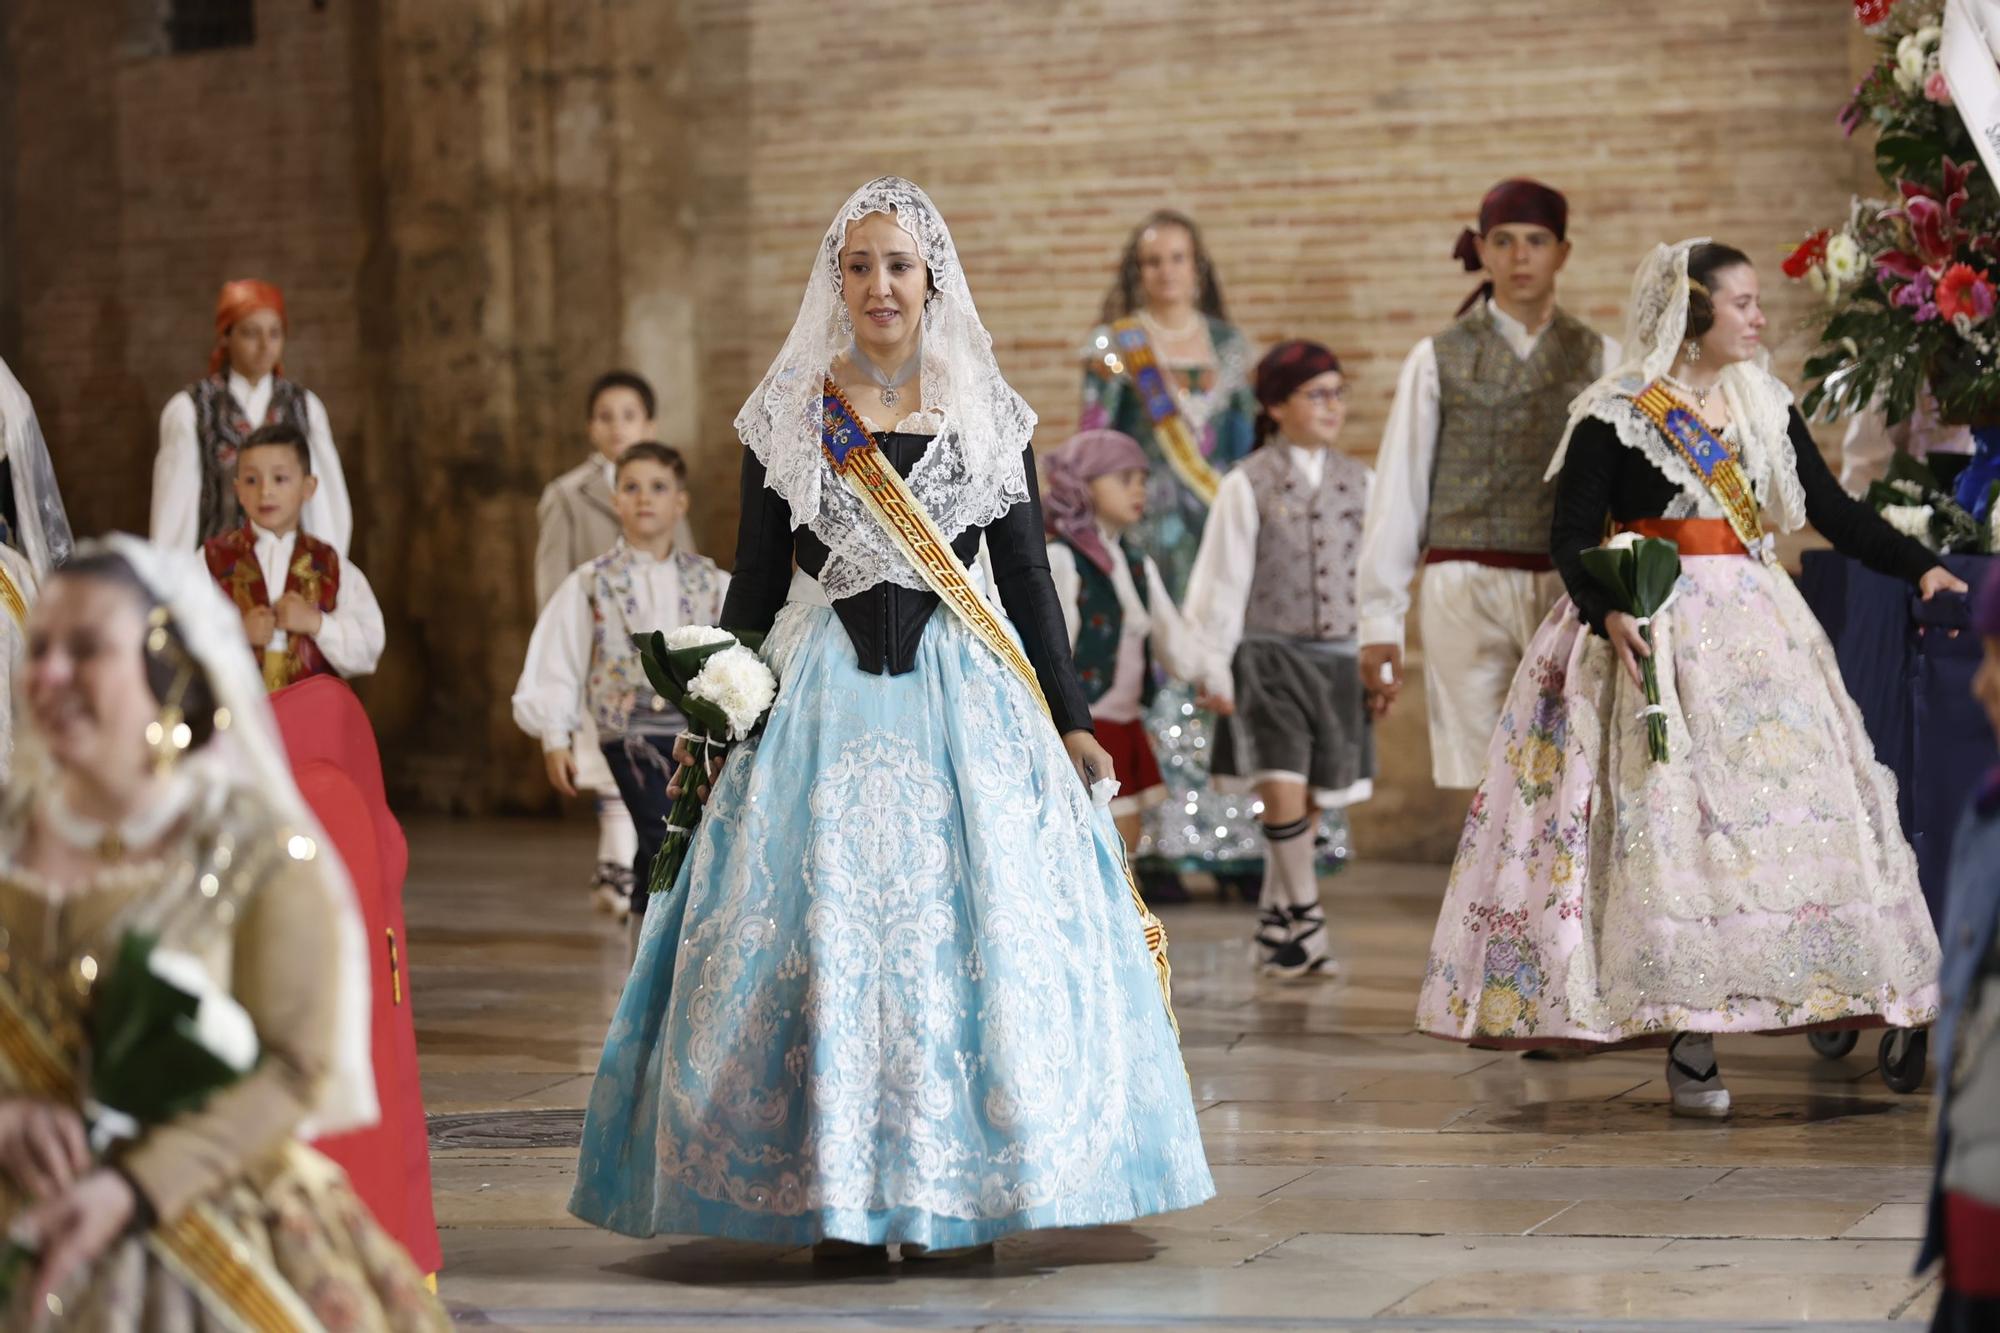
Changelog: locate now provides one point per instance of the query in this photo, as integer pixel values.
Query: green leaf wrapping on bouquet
(1905, 466)
(146, 1059)
(1640, 578)
(1656, 566)
(669, 671)
(1612, 569)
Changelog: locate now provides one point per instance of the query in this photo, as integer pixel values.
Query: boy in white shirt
(324, 617)
(582, 662)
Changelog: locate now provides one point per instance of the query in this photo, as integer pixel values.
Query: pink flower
(1936, 89)
(1964, 290)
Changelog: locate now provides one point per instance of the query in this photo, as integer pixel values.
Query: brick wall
(474, 205)
(141, 181)
(1331, 152)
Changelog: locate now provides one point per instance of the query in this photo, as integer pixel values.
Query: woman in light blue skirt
(900, 993)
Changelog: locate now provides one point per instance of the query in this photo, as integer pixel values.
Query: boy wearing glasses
(1479, 410)
(1273, 594)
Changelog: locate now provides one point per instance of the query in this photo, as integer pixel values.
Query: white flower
(1911, 521)
(221, 1025)
(1623, 541)
(1844, 259)
(1908, 487)
(1817, 280)
(696, 636)
(736, 681)
(1914, 55)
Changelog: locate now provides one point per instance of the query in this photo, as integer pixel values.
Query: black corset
(886, 623)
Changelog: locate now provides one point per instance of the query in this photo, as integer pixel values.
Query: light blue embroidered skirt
(900, 992)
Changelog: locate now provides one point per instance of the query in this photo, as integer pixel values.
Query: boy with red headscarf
(1272, 593)
(205, 424)
(1479, 409)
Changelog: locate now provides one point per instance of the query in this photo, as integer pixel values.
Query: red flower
(1811, 251)
(1933, 217)
(1964, 290)
(1872, 12)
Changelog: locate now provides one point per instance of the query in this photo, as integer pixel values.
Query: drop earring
(1691, 350)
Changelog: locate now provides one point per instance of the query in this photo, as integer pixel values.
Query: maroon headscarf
(1284, 369)
(1515, 200)
(1067, 472)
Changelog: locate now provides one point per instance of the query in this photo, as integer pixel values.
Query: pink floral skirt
(1756, 881)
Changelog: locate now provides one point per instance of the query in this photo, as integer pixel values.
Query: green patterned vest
(1101, 624)
(1499, 419)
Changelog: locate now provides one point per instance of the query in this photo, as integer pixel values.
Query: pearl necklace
(1160, 330)
(1687, 390)
(890, 386)
(110, 842)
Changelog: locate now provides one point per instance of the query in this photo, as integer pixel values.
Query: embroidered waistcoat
(220, 428)
(1499, 419)
(1101, 624)
(314, 574)
(1308, 540)
(620, 698)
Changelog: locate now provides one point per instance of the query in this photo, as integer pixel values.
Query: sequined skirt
(1756, 881)
(899, 992)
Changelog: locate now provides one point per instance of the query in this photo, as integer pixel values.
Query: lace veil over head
(247, 755)
(973, 471)
(1759, 402)
(45, 533)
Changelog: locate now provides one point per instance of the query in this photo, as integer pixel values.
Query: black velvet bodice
(886, 623)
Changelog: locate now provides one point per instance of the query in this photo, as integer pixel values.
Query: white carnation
(1911, 521)
(221, 1025)
(1623, 541)
(1844, 259)
(696, 636)
(736, 681)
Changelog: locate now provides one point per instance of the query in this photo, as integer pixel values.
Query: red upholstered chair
(339, 771)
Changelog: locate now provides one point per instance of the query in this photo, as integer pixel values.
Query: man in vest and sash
(1458, 482)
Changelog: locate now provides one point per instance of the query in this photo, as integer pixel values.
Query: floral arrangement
(1911, 284)
(725, 691)
(1917, 505)
(164, 1038)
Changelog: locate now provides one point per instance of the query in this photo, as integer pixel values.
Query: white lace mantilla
(971, 474)
(1759, 402)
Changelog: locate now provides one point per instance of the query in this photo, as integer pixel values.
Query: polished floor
(1367, 1178)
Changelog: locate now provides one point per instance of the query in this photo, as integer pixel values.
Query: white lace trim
(1760, 433)
(971, 474)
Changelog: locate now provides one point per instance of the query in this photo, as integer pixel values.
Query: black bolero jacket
(1602, 475)
(886, 623)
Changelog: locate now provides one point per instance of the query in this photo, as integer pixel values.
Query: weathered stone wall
(476, 205)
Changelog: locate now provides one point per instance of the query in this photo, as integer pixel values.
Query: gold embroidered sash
(12, 598)
(1711, 461)
(232, 1280)
(851, 449)
(1132, 354)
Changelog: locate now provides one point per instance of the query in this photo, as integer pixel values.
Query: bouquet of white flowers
(164, 1038)
(725, 691)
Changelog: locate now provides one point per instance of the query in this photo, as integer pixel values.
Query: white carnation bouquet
(725, 691)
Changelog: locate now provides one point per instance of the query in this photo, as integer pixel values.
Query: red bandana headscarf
(1516, 200)
(239, 299)
(1283, 371)
(1067, 473)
